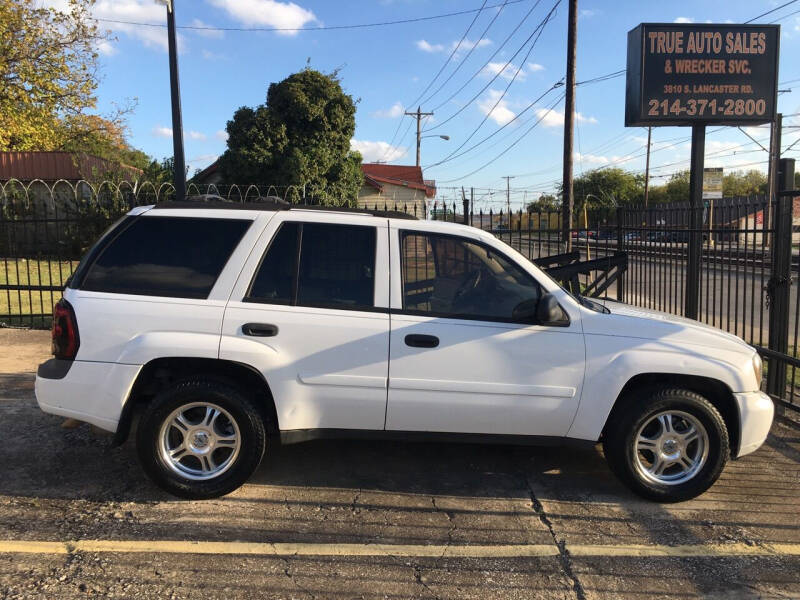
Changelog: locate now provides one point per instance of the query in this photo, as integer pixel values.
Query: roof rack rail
(273, 203)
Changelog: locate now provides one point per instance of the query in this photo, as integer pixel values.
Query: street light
(179, 163)
(421, 137)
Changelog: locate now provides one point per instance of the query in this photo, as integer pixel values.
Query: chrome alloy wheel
(670, 448)
(199, 441)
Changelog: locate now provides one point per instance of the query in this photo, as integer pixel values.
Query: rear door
(310, 311)
(460, 360)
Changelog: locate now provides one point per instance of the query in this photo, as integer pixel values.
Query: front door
(460, 360)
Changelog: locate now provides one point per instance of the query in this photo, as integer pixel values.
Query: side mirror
(542, 311)
(548, 312)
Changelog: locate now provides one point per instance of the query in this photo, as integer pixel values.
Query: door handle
(260, 329)
(422, 341)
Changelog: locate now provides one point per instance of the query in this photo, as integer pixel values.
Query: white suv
(226, 328)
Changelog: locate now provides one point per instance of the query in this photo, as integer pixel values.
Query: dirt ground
(567, 527)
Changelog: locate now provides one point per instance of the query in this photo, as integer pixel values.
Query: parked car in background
(228, 329)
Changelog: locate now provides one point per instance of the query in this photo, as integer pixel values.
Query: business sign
(682, 74)
(712, 183)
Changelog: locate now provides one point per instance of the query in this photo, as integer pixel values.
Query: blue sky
(387, 68)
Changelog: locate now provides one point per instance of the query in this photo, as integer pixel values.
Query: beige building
(395, 187)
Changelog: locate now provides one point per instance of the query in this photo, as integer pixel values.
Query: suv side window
(179, 257)
(318, 264)
(449, 276)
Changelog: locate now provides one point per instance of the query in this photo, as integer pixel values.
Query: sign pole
(692, 299)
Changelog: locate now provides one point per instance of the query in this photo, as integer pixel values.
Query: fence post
(780, 281)
(620, 248)
(692, 299)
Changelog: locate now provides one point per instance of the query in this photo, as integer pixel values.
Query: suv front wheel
(201, 438)
(667, 444)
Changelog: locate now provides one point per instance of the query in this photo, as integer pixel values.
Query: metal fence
(632, 254)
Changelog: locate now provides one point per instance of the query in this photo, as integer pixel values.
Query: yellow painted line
(32, 547)
(407, 550)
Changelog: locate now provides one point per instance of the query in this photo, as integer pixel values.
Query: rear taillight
(65, 331)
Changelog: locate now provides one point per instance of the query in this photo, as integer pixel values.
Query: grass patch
(17, 305)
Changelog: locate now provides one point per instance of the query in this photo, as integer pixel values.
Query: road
(368, 520)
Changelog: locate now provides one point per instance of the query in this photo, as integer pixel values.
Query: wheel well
(713, 390)
(160, 373)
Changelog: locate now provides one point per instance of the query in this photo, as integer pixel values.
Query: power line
(495, 53)
(517, 141)
(536, 31)
(469, 53)
(432, 81)
(452, 54)
(777, 8)
(315, 28)
(453, 155)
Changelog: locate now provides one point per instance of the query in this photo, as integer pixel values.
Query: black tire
(639, 409)
(241, 409)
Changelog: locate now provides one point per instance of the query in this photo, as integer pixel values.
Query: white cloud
(535, 67)
(592, 159)
(684, 20)
(375, 151)
(162, 131)
(427, 47)
(500, 114)
(140, 11)
(144, 11)
(209, 33)
(197, 135)
(505, 70)
(554, 118)
(209, 55)
(468, 44)
(267, 13)
(396, 110)
(587, 13)
(465, 46)
(221, 135)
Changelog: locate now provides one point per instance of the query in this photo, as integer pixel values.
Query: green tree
(675, 190)
(48, 65)
(604, 188)
(299, 137)
(545, 203)
(744, 183)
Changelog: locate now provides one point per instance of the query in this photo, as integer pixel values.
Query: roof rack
(275, 204)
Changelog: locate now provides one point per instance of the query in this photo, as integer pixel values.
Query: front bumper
(93, 392)
(756, 411)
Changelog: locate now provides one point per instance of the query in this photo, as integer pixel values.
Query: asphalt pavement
(347, 519)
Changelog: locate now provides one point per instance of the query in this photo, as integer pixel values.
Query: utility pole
(568, 202)
(418, 116)
(647, 168)
(774, 156)
(508, 179)
(179, 163)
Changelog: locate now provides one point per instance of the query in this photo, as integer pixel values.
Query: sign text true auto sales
(680, 74)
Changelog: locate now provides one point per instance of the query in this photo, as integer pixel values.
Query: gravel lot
(68, 484)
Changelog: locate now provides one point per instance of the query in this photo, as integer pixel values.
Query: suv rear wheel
(201, 438)
(667, 444)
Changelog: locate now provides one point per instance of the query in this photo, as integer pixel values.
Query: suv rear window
(336, 267)
(180, 257)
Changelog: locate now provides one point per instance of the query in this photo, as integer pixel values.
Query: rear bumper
(93, 392)
(756, 411)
